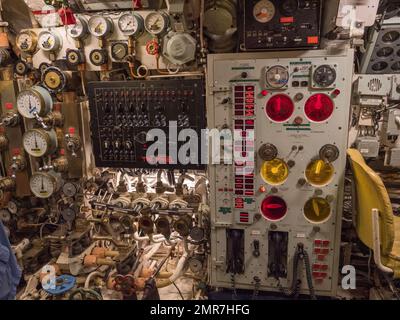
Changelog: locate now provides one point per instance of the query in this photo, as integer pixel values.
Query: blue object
(10, 273)
(64, 283)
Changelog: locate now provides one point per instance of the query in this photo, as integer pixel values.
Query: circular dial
(131, 24)
(38, 142)
(54, 79)
(319, 107)
(35, 100)
(43, 185)
(324, 76)
(264, 11)
(329, 153)
(100, 26)
(385, 52)
(49, 41)
(12, 207)
(273, 208)
(379, 66)
(75, 57)
(21, 68)
(319, 172)
(98, 57)
(5, 216)
(274, 172)
(79, 30)
(289, 7)
(27, 41)
(279, 108)
(43, 66)
(119, 50)
(156, 23)
(390, 36)
(317, 210)
(277, 77)
(70, 189)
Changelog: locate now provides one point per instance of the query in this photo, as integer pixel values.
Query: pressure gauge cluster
(277, 77)
(34, 101)
(26, 41)
(131, 24)
(49, 41)
(156, 23)
(79, 30)
(39, 142)
(44, 184)
(100, 27)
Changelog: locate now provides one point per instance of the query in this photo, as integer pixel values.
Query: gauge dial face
(70, 189)
(38, 142)
(390, 36)
(43, 185)
(49, 41)
(277, 77)
(12, 207)
(156, 23)
(264, 11)
(98, 57)
(99, 26)
(79, 30)
(131, 24)
(5, 216)
(29, 103)
(119, 50)
(26, 41)
(379, 66)
(54, 79)
(324, 76)
(385, 52)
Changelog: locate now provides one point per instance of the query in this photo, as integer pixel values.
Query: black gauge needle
(36, 144)
(42, 184)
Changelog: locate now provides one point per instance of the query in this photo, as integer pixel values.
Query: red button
(326, 243)
(318, 250)
(324, 267)
(264, 93)
(321, 257)
(316, 266)
(318, 242)
(324, 251)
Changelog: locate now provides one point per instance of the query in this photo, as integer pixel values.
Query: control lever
(73, 142)
(41, 121)
(11, 119)
(18, 164)
(235, 251)
(256, 250)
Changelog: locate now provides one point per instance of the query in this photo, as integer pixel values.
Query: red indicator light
(287, 20)
(273, 208)
(319, 107)
(279, 108)
(313, 40)
(264, 93)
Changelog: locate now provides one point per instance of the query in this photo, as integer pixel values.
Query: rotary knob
(329, 153)
(268, 152)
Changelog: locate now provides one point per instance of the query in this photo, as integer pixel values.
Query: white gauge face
(29, 104)
(130, 24)
(277, 77)
(49, 41)
(78, 30)
(264, 11)
(5, 216)
(26, 41)
(156, 23)
(42, 185)
(99, 26)
(36, 142)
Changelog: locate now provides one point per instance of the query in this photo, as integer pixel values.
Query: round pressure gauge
(54, 79)
(324, 76)
(43, 185)
(49, 41)
(5, 216)
(131, 24)
(79, 30)
(27, 41)
(119, 50)
(277, 77)
(100, 26)
(156, 23)
(74, 57)
(39, 142)
(264, 11)
(98, 57)
(35, 100)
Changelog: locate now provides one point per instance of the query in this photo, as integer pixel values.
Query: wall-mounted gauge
(54, 79)
(75, 57)
(39, 142)
(5, 216)
(21, 68)
(43, 66)
(49, 41)
(119, 50)
(98, 57)
(27, 41)
(324, 76)
(43, 185)
(131, 24)
(156, 23)
(100, 26)
(277, 77)
(79, 30)
(391, 36)
(35, 100)
(264, 11)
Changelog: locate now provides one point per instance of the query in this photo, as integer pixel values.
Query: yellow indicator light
(319, 172)
(274, 172)
(317, 210)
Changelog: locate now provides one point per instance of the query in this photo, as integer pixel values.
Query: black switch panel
(277, 24)
(235, 251)
(122, 113)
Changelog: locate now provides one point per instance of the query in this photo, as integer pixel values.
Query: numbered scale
(44, 184)
(39, 142)
(33, 102)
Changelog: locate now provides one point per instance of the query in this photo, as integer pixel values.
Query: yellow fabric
(371, 193)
